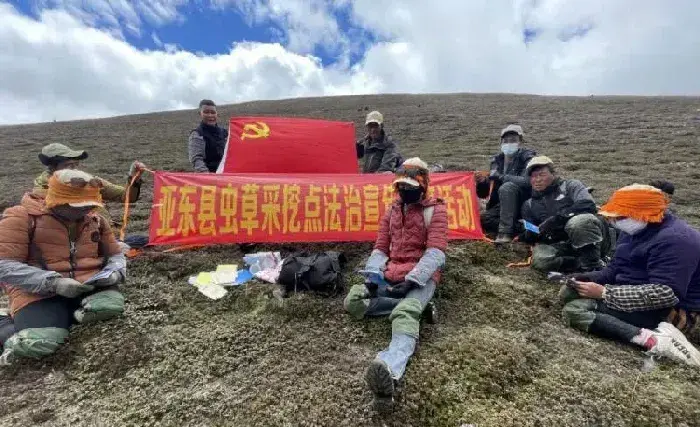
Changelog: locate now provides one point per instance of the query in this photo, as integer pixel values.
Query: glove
(495, 176)
(113, 279)
(400, 290)
(70, 288)
(552, 224)
(371, 288)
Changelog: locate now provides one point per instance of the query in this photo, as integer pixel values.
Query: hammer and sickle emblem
(255, 130)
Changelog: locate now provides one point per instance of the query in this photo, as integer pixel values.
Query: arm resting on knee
(432, 260)
(30, 279)
(639, 297)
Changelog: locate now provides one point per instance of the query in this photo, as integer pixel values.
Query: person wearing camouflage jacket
(58, 157)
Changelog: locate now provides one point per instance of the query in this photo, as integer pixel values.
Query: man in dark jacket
(401, 274)
(378, 149)
(207, 143)
(508, 185)
(570, 237)
(653, 279)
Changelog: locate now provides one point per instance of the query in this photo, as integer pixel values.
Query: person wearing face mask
(377, 149)
(207, 142)
(51, 250)
(571, 237)
(652, 281)
(408, 256)
(58, 157)
(508, 184)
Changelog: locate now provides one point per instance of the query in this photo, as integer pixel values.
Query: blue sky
(203, 28)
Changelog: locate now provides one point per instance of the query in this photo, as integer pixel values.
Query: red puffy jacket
(405, 238)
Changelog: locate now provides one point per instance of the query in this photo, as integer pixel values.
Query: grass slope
(499, 356)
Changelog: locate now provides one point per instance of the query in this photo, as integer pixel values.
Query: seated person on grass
(509, 184)
(571, 237)
(652, 282)
(408, 256)
(49, 248)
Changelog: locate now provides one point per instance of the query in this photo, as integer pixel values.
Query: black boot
(589, 257)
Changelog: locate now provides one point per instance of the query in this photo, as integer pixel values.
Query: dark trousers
(503, 211)
(596, 317)
(54, 312)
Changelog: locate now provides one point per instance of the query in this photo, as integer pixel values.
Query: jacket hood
(34, 204)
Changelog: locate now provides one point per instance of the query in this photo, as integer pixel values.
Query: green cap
(55, 151)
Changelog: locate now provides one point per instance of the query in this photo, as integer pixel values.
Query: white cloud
(57, 66)
(116, 15)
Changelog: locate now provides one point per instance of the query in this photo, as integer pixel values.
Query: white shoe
(672, 344)
(6, 357)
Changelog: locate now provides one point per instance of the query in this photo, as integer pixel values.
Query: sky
(77, 59)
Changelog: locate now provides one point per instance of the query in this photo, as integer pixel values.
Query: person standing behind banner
(207, 142)
(378, 149)
(57, 157)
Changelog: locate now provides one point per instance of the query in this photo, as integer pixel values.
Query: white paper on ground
(211, 291)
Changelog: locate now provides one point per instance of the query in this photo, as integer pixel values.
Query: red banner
(193, 208)
(289, 145)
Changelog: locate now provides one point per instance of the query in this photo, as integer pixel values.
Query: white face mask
(630, 226)
(510, 148)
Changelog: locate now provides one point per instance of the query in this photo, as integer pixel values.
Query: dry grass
(500, 355)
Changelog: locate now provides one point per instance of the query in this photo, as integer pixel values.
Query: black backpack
(319, 272)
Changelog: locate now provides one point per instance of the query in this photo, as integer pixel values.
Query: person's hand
(495, 176)
(113, 279)
(400, 290)
(589, 289)
(70, 288)
(481, 176)
(371, 288)
(136, 166)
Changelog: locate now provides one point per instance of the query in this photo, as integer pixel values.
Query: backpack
(319, 272)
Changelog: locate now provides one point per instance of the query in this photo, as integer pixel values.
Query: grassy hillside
(499, 356)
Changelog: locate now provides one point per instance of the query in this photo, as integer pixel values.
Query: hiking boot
(503, 238)
(430, 313)
(672, 344)
(589, 257)
(381, 383)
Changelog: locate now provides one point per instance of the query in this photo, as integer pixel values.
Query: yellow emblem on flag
(255, 130)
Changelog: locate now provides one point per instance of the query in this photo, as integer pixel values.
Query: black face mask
(410, 196)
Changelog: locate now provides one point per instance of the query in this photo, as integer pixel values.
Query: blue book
(531, 227)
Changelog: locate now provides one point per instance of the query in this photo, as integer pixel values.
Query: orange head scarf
(73, 187)
(637, 201)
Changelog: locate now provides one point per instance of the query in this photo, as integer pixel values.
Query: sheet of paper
(204, 285)
(103, 274)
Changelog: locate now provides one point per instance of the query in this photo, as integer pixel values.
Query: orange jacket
(53, 239)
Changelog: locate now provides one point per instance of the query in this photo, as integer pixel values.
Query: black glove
(400, 290)
(371, 288)
(360, 148)
(552, 224)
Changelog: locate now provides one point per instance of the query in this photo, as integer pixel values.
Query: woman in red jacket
(405, 268)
